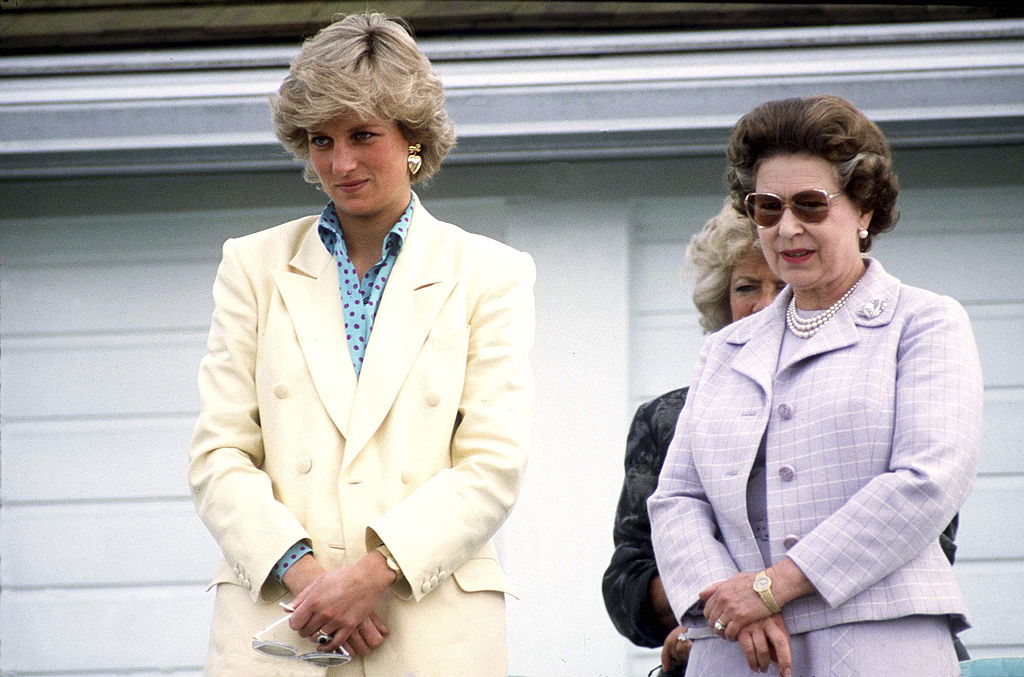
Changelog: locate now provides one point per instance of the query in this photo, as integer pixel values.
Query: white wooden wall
(104, 305)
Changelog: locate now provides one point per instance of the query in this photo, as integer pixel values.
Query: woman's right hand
(675, 651)
(767, 641)
(340, 602)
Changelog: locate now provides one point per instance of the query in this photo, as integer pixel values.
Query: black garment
(628, 575)
(632, 566)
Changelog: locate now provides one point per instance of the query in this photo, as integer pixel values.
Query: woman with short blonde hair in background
(731, 280)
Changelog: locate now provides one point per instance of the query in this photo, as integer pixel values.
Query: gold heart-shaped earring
(414, 159)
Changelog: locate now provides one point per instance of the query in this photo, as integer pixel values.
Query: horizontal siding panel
(186, 232)
(132, 543)
(999, 331)
(105, 631)
(991, 519)
(660, 282)
(939, 263)
(1003, 432)
(667, 346)
(131, 672)
(677, 218)
(152, 374)
(995, 598)
(996, 651)
(85, 298)
(78, 459)
(958, 210)
(105, 237)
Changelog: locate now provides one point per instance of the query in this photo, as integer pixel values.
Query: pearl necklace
(805, 328)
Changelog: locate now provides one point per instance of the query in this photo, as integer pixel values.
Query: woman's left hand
(339, 603)
(733, 602)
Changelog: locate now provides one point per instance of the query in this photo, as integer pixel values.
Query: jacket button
(433, 398)
(304, 464)
(787, 473)
(281, 391)
(790, 540)
(785, 410)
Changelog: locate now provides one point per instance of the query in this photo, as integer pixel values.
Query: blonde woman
(365, 395)
(731, 281)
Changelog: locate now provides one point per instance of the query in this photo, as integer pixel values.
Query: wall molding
(537, 98)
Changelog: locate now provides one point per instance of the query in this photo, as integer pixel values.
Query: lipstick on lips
(351, 186)
(796, 255)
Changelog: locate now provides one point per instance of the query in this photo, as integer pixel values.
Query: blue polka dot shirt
(359, 302)
(361, 298)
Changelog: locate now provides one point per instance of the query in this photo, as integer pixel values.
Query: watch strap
(765, 591)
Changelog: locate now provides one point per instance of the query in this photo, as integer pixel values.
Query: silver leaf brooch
(872, 309)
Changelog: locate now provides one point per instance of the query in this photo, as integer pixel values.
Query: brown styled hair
(822, 126)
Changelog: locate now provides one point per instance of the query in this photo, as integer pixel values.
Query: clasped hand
(762, 635)
(340, 603)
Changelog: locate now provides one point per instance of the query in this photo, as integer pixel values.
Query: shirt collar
(330, 230)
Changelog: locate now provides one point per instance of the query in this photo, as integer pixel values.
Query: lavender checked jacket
(872, 431)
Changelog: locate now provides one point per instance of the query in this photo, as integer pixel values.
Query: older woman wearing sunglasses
(827, 441)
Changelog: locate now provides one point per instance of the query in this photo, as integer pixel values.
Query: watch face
(761, 584)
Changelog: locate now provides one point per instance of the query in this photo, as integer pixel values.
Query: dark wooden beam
(39, 26)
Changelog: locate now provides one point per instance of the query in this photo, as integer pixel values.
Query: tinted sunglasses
(809, 206)
(275, 641)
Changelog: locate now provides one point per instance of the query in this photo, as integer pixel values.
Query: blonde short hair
(724, 241)
(368, 65)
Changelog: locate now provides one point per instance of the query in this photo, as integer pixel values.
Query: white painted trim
(529, 99)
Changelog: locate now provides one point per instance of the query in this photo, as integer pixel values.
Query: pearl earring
(863, 233)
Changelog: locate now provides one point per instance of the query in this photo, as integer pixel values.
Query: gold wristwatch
(763, 587)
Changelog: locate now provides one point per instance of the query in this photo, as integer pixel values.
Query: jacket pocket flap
(483, 573)
(224, 574)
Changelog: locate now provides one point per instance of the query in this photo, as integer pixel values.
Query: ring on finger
(720, 625)
(682, 637)
(322, 637)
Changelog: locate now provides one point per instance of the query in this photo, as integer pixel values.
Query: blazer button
(790, 540)
(785, 410)
(281, 391)
(304, 464)
(433, 398)
(787, 473)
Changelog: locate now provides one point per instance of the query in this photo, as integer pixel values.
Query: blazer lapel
(420, 283)
(870, 305)
(757, 359)
(310, 293)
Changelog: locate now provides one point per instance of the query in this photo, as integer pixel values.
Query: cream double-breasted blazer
(424, 452)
